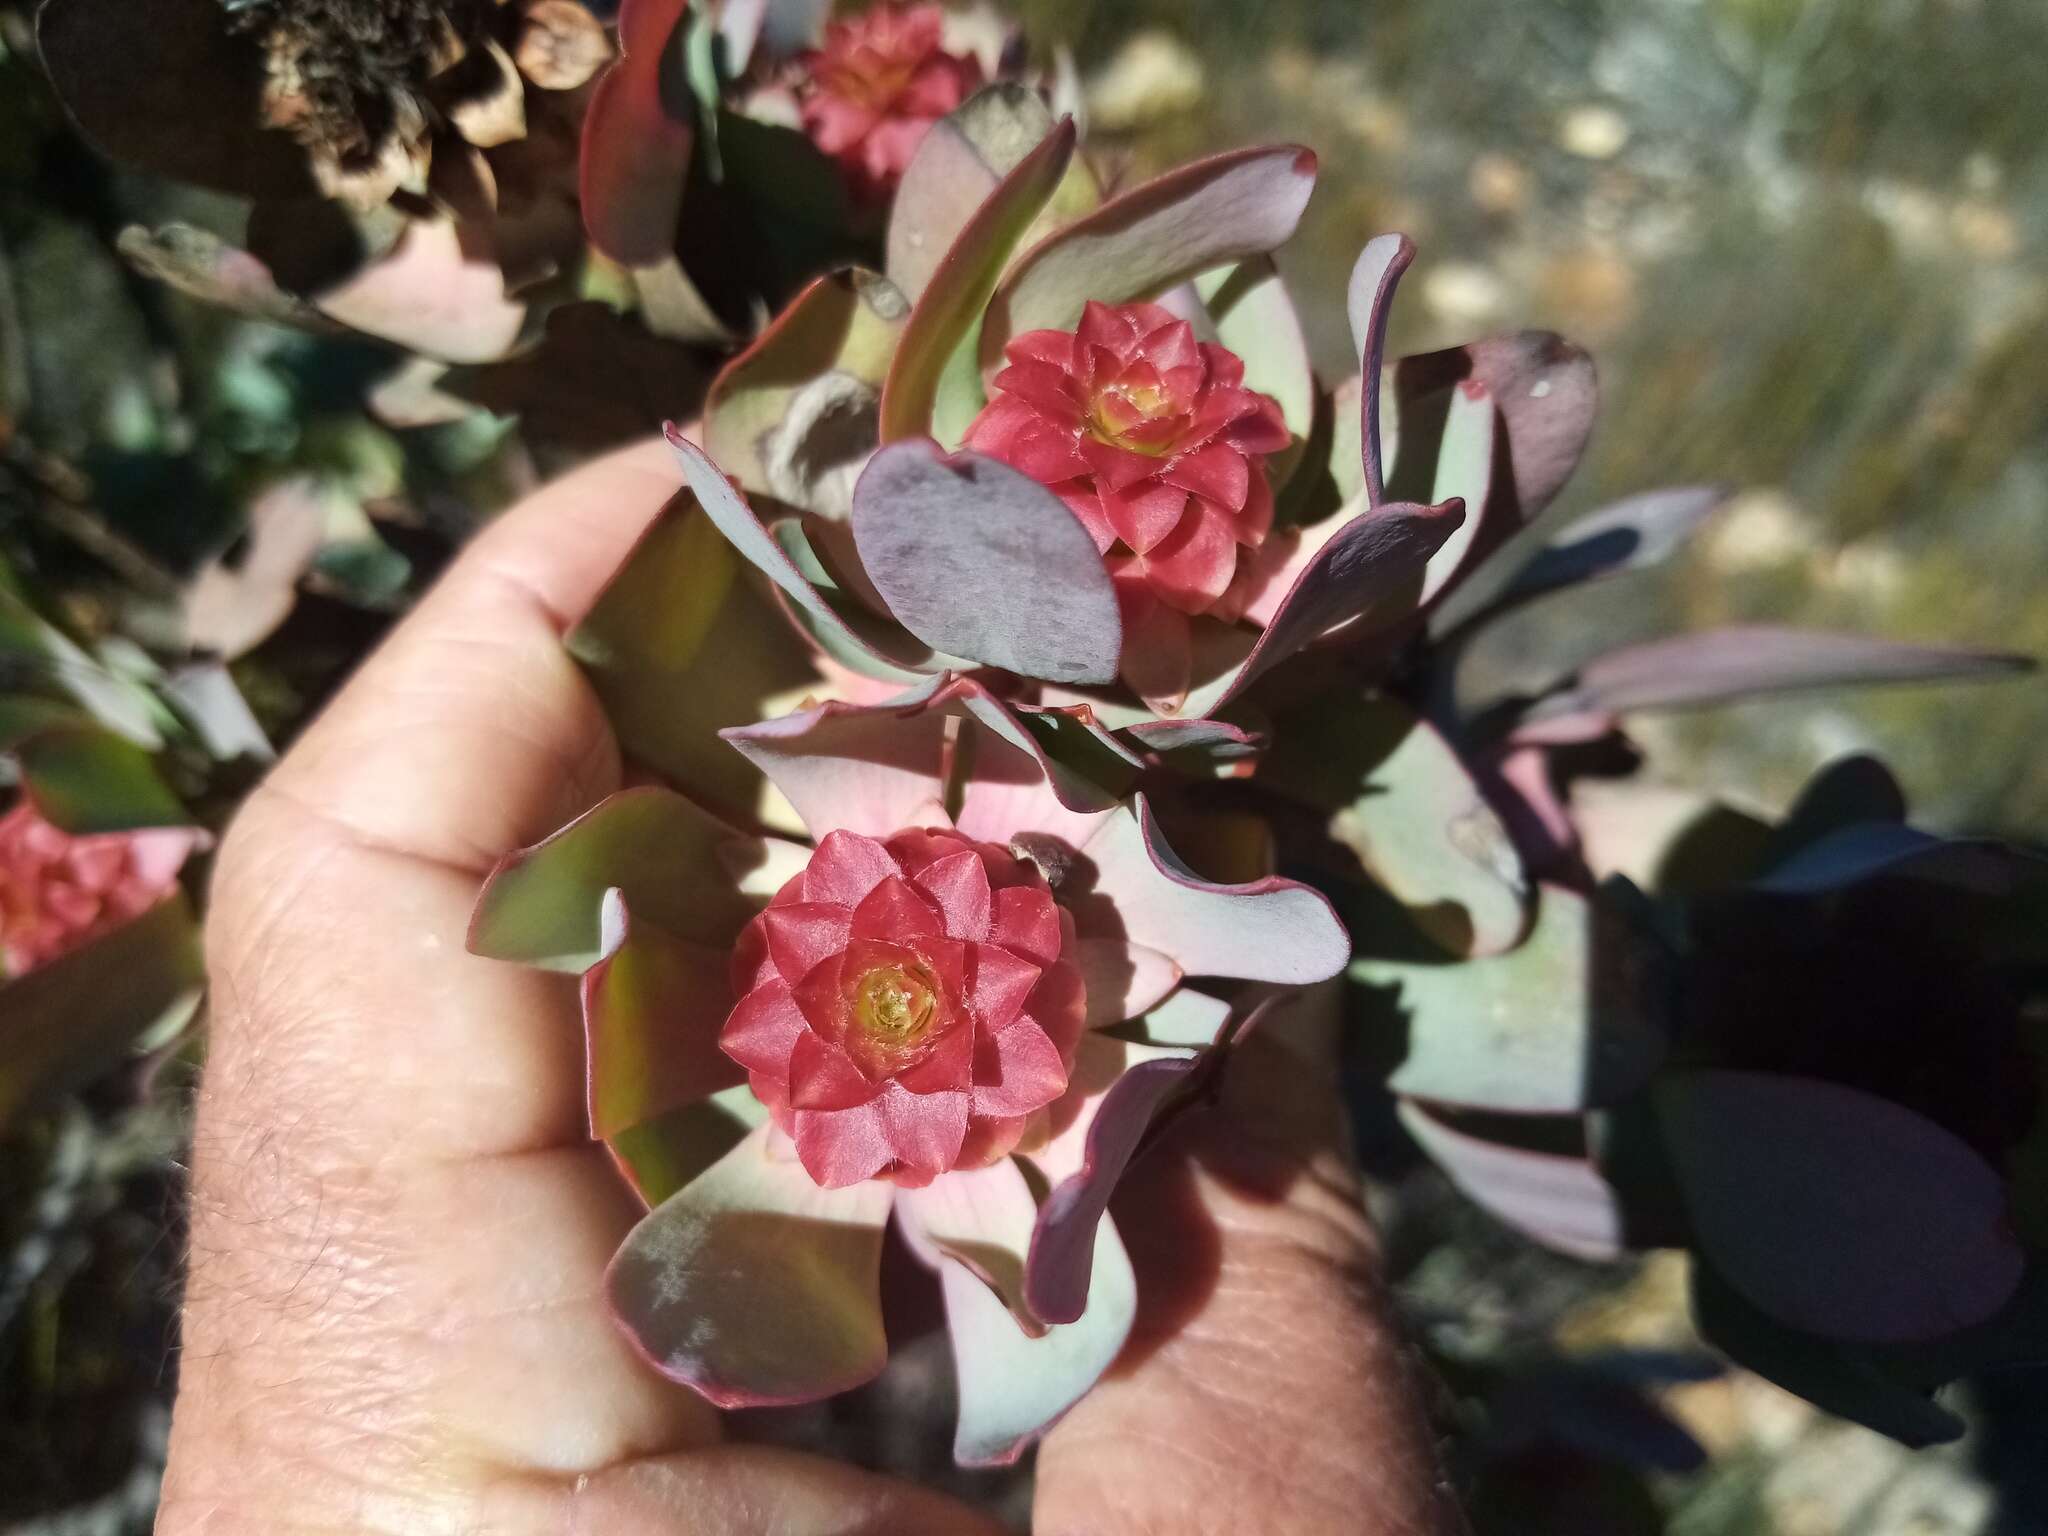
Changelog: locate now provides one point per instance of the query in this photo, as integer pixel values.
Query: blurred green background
(1804, 240)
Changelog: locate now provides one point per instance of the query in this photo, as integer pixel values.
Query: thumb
(1266, 1386)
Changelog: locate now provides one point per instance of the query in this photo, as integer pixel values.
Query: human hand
(394, 1319)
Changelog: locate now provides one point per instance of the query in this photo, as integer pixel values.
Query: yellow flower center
(894, 1005)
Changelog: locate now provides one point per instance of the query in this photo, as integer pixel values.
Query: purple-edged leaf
(729, 511)
(429, 296)
(1850, 855)
(1219, 743)
(1629, 535)
(871, 770)
(1837, 1212)
(1837, 1378)
(958, 164)
(676, 648)
(1129, 883)
(980, 1219)
(652, 1009)
(636, 153)
(661, 1156)
(1568, 1020)
(755, 1286)
(1087, 1159)
(1717, 665)
(169, 86)
(1014, 1387)
(1547, 393)
(543, 905)
(88, 780)
(795, 413)
(978, 560)
(1561, 1202)
(1186, 1017)
(1124, 980)
(72, 1019)
(1404, 803)
(1208, 214)
(950, 306)
(1370, 301)
(1367, 575)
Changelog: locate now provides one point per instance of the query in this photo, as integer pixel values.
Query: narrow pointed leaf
(87, 780)
(1719, 665)
(1370, 301)
(1367, 576)
(1629, 535)
(979, 561)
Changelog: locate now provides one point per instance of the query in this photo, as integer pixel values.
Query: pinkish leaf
(981, 1219)
(1014, 1387)
(1562, 1202)
(1210, 213)
(1718, 665)
(543, 905)
(1087, 1159)
(1837, 1212)
(1133, 887)
(980, 561)
(428, 295)
(755, 1286)
(636, 154)
(1124, 980)
(951, 304)
(1366, 575)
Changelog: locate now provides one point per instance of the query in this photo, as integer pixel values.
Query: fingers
(1266, 1386)
(733, 1491)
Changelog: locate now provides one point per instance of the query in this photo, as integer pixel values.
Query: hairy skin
(393, 1322)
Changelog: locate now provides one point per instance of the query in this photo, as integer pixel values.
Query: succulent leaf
(1560, 1201)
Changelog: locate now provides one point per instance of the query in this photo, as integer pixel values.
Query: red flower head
(1153, 440)
(879, 83)
(58, 892)
(906, 1005)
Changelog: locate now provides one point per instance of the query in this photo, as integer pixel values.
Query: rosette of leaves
(956, 1005)
(1807, 1052)
(99, 946)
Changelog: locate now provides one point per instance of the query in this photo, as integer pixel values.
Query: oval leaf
(1837, 1212)
(635, 153)
(979, 561)
(1562, 1202)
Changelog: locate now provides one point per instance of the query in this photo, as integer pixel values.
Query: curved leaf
(1628, 535)
(755, 1286)
(1370, 301)
(636, 152)
(1207, 214)
(544, 905)
(1570, 1019)
(429, 296)
(980, 561)
(87, 780)
(1562, 1202)
(1255, 318)
(1837, 1212)
(950, 306)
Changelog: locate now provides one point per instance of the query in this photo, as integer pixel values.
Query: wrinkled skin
(394, 1321)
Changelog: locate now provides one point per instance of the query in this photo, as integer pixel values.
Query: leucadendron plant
(956, 1007)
